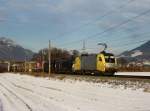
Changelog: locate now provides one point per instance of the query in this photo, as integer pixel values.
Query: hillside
(140, 53)
(9, 50)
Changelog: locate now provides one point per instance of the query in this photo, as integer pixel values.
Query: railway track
(70, 75)
(93, 77)
(118, 75)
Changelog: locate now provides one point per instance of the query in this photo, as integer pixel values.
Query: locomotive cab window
(110, 59)
(100, 59)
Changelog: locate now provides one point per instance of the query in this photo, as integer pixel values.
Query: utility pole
(49, 58)
(25, 67)
(84, 47)
(8, 68)
(43, 60)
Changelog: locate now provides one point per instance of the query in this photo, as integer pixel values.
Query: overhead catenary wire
(135, 32)
(143, 35)
(135, 35)
(134, 43)
(129, 44)
(93, 21)
(110, 28)
(123, 45)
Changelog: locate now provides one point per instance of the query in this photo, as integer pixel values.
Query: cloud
(76, 10)
(61, 16)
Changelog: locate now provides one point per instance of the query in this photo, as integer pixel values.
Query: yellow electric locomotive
(102, 63)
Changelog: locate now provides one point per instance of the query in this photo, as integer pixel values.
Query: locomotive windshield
(110, 59)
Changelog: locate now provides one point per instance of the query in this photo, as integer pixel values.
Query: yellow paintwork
(77, 64)
(101, 64)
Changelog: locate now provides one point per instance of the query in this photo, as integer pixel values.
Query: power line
(120, 46)
(97, 19)
(119, 25)
(137, 36)
(131, 35)
(128, 44)
(111, 28)
(135, 42)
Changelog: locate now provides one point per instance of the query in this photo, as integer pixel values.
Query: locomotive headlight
(110, 65)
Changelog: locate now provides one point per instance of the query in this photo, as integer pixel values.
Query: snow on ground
(134, 73)
(27, 93)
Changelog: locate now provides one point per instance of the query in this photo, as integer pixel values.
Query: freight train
(102, 64)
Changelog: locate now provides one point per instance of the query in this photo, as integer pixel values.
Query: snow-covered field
(27, 93)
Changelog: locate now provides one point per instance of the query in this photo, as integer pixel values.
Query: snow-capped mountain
(140, 53)
(137, 53)
(7, 41)
(9, 50)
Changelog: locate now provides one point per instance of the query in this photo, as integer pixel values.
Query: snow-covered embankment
(27, 93)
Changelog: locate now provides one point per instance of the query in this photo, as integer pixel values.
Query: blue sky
(31, 23)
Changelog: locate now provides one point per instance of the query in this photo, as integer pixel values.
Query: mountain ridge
(140, 53)
(10, 50)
